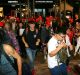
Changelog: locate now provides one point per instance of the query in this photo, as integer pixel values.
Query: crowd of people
(21, 37)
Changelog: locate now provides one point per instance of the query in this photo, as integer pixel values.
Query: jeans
(59, 70)
(31, 55)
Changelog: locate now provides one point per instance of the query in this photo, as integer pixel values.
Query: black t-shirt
(31, 38)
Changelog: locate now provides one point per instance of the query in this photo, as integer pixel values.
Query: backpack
(62, 55)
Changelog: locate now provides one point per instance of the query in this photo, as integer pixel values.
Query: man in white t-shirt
(53, 48)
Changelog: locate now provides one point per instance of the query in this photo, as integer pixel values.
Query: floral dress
(14, 41)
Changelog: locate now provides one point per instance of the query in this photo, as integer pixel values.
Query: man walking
(31, 40)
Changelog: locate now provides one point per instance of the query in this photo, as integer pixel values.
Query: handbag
(62, 55)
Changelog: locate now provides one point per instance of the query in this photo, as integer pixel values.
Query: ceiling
(24, 1)
(71, 2)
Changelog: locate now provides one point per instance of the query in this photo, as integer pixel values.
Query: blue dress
(5, 66)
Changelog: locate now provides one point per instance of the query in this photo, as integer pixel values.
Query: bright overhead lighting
(44, 1)
(12, 1)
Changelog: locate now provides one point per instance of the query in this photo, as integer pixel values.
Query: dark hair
(2, 36)
(61, 30)
(31, 22)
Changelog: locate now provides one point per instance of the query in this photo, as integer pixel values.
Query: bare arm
(26, 44)
(38, 41)
(54, 52)
(11, 51)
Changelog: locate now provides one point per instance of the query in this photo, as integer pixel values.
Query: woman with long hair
(7, 55)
